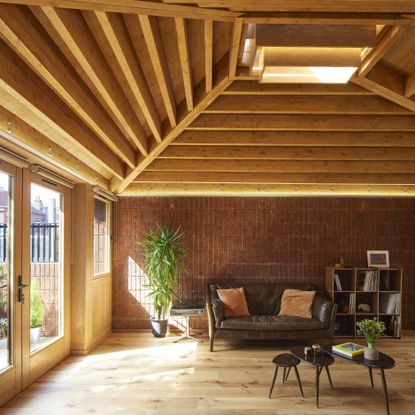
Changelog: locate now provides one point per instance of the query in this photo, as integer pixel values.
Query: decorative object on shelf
(371, 330)
(363, 308)
(316, 349)
(378, 259)
(164, 256)
(37, 312)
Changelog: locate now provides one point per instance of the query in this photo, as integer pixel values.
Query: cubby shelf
(369, 289)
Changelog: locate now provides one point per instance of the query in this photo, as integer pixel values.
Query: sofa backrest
(265, 298)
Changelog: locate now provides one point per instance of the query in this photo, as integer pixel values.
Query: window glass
(101, 237)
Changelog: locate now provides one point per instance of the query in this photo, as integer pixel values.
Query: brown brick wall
(259, 239)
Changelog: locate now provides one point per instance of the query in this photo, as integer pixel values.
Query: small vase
(371, 353)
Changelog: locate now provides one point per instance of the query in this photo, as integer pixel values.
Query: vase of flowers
(372, 330)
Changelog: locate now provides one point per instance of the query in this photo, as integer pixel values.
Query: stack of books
(337, 282)
(367, 281)
(390, 303)
(349, 349)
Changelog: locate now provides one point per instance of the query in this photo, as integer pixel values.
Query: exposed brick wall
(259, 239)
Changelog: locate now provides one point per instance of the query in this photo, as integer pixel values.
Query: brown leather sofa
(264, 301)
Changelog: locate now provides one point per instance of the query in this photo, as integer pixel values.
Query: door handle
(20, 287)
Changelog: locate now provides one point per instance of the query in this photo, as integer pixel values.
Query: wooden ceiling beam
(23, 34)
(234, 47)
(248, 104)
(410, 85)
(265, 122)
(387, 38)
(69, 30)
(296, 138)
(284, 166)
(131, 70)
(133, 7)
(156, 51)
(24, 94)
(288, 153)
(255, 88)
(208, 42)
(221, 83)
(17, 132)
(183, 45)
(388, 84)
(246, 189)
(275, 178)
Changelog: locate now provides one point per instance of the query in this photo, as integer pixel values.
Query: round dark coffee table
(324, 360)
(384, 362)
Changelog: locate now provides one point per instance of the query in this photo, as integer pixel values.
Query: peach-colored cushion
(234, 302)
(297, 303)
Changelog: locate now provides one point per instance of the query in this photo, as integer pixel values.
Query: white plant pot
(35, 335)
(371, 353)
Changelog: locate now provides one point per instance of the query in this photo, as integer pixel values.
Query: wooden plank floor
(134, 373)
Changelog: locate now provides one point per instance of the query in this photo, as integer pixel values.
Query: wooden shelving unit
(380, 290)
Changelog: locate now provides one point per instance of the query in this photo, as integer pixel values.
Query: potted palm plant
(164, 255)
(371, 330)
(37, 312)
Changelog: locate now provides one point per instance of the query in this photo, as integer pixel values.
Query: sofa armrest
(322, 310)
(216, 310)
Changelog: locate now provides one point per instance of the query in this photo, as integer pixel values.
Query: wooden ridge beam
(289, 153)
(25, 95)
(285, 104)
(133, 7)
(284, 166)
(246, 189)
(156, 51)
(26, 137)
(22, 33)
(135, 83)
(239, 87)
(296, 138)
(208, 41)
(71, 33)
(304, 122)
(221, 83)
(275, 178)
(183, 45)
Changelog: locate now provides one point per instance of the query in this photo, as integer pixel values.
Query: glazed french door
(34, 277)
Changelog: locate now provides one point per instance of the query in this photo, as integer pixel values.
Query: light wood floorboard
(134, 373)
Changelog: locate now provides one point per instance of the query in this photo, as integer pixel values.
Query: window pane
(45, 266)
(5, 251)
(100, 237)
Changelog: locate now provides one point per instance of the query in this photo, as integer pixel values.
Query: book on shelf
(337, 282)
(352, 303)
(393, 328)
(390, 303)
(349, 349)
(367, 281)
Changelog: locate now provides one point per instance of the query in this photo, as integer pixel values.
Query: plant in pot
(164, 255)
(371, 330)
(37, 312)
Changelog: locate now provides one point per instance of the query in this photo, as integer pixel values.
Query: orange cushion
(297, 303)
(234, 302)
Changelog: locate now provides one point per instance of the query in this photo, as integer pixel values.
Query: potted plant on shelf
(371, 330)
(164, 254)
(37, 312)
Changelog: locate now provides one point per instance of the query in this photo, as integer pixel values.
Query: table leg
(371, 376)
(328, 375)
(288, 373)
(284, 374)
(385, 390)
(273, 381)
(317, 385)
(299, 380)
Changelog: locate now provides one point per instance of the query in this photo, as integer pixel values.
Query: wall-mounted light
(53, 177)
(106, 194)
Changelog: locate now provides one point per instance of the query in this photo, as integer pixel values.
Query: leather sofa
(264, 301)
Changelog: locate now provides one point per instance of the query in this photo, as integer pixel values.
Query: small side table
(187, 310)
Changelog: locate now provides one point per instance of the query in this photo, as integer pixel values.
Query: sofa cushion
(234, 302)
(263, 299)
(271, 323)
(297, 303)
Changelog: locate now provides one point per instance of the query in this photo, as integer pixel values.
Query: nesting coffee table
(326, 358)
